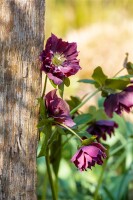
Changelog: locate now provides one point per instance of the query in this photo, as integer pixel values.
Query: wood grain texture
(21, 40)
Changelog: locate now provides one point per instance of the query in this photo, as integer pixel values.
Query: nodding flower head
(58, 109)
(101, 128)
(119, 101)
(88, 156)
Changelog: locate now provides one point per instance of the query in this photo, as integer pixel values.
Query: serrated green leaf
(67, 82)
(116, 83)
(90, 81)
(83, 119)
(99, 76)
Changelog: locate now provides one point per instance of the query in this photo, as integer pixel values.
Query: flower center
(58, 59)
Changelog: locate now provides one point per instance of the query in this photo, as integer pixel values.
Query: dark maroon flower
(58, 109)
(88, 156)
(101, 127)
(119, 102)
(59, 59)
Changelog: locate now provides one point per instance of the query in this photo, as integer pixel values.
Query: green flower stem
(45, 186)
(44, 89)
(70, 131)
(50, 177)
(118, 72)
(83, 102)
(100, 179)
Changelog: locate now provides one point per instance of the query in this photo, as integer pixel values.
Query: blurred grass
(62, 16)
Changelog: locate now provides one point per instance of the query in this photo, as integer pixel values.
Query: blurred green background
(103, 30)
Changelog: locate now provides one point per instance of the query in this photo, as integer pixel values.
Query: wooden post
(21, 41)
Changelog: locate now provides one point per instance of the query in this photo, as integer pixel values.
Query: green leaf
(90, 81)
(83, 119)
(116, 83)
(55, 155)
(61, 130)
(92, 110)
(108, 192)
(43, 143)
(126, 76)
(41, 149)
(122, 187)
(67, 81)
(44, 122)
(99, 76)
(61, 89)
(42, 107)
(97, 114)
(73, 102)
(100, 114)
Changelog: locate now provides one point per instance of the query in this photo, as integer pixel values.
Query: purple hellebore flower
(88, 156)
(59, 59)
(119, 102)
(101, 127)
(58, 109)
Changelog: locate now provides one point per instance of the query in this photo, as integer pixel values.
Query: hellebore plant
(59, 61)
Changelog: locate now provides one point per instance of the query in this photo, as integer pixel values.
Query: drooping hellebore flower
(59, 59)
(101, 127)
(88, 156)
(119, 102)
(58, 109)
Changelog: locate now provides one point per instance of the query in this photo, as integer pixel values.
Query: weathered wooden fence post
(21, 40)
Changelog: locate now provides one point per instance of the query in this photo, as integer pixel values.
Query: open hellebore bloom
(59, 59)
(58, 109)
(101, 127)
(119, 102)
(88, 156)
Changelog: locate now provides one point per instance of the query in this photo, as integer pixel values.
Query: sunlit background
(103, 30)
